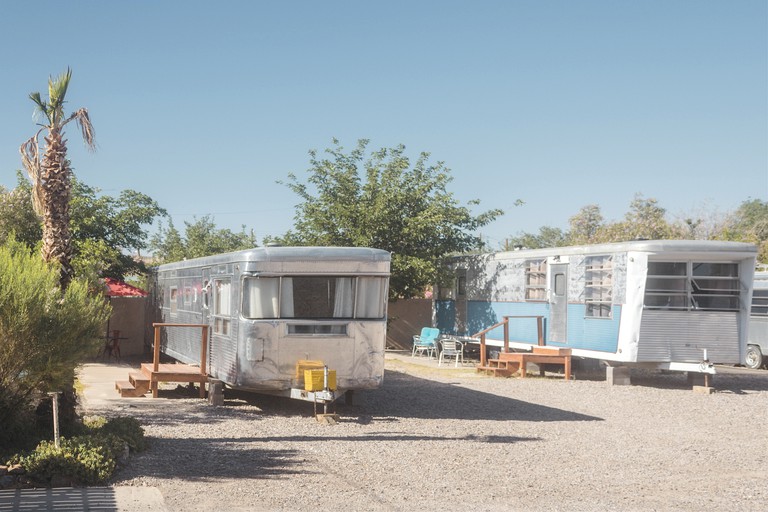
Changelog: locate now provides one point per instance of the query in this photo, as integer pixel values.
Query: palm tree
(51, 175)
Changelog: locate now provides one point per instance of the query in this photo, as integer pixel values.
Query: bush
(87, 459)
(83, 460)
(44, 335)
(127, 429)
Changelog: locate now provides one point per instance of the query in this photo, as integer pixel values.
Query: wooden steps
(501, 367)
(140, 382)
(510, 362)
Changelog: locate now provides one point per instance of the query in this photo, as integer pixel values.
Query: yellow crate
(313, 380)
(306, 364)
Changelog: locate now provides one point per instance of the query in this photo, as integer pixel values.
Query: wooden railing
(203, 349)
(505, 324)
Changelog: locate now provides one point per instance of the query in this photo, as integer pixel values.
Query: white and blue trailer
(665, 304)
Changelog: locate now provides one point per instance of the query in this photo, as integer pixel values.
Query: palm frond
(41, 107)
(57, 90)
(30, 158)
(86, 128)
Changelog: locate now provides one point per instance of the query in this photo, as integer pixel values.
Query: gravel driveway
(455, 440)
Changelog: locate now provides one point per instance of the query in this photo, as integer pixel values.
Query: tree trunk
(56, 173)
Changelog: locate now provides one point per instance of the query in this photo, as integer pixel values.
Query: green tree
(381, 200)
(51, 173)
(585, 225)
(17, 217)
(547, 237)
(105, 230)
(44, 333)
(647, 220)
(201, 238)
(749, 223)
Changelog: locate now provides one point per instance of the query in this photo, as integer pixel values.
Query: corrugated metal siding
(680, 336)
(182, 343)
(222, 355)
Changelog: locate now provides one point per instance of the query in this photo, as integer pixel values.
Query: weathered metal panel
(680, 336)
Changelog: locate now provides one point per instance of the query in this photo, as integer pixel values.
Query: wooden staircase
(504, 366)
(508, 362)
(141, 382)
(151, 374)
(138, 384)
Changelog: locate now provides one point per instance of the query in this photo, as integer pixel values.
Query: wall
(406, 318)
(128, 315)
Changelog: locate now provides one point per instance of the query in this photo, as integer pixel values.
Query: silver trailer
(274, 312)
(757, 344)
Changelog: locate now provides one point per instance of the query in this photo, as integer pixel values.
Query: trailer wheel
(754, 357)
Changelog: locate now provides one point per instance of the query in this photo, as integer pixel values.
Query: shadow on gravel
(408, 396)
(206, 459)
(246, 457)
(738, 381)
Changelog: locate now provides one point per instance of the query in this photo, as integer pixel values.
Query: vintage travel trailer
(757, 344)
(274, 312)
(669, 304)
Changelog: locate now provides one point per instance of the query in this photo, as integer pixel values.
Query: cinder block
(704, 390)
(215, 392)
(617, 375)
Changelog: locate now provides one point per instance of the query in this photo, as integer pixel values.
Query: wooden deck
(510, 362)
(141, 382)
(151, 374)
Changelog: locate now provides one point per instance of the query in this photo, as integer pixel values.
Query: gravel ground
(453, 440)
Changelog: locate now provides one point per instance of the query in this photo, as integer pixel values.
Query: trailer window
(760, 302)
(222, 306)
(686, 286)
(598, 287)
(314, 297)
(260, 297)
(536, 280)
(174, 300)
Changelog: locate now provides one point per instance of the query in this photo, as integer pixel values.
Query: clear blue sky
(204, 105)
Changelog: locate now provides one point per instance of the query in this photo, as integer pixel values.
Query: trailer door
(558, 303)
(205, 295)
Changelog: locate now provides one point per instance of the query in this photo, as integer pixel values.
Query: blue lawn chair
(426, 342)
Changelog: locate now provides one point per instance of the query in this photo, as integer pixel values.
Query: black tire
(754, 358)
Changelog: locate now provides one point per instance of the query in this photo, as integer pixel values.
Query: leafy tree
(51, 174)
(44, 333)
(646, 220)
(17, 217)
(381, 200)
(547, 237)
(201, 238)
(103, 228)
(749, 223)
(585, 225)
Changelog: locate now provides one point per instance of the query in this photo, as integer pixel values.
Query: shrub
(127, 429)
(87, 459)
(84, 460)
(44, 335)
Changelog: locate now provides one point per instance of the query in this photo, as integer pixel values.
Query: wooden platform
(140, 382)
(510, 362)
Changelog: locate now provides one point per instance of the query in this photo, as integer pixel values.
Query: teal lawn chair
(426, 342)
